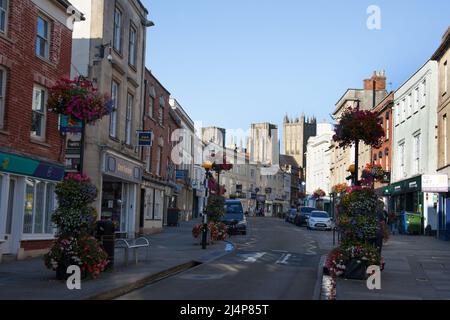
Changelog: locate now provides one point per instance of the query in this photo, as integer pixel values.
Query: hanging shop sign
(68, 125)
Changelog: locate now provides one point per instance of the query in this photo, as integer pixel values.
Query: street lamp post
(207, 166)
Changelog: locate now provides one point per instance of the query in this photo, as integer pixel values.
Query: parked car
(303, 215)
(291, 215)
(320, 220)
(234, 217)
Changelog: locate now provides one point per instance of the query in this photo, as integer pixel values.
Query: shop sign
(122, 169)
(30, 167)
(435, 183)
(70, 126)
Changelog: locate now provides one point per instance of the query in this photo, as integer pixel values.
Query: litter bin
(173, 215)
(105, 234)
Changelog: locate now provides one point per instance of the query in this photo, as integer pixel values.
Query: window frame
(132, 58)
(162, 105)
(114, 114)
(43, 112)
(416, 152)
(445, 78)
(117, 38)
(47, 40)
(46, 214)
(3, 87)
(6, 12)
(129, 119)
(159, 152)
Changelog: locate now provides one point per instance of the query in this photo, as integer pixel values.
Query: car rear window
(234, 208)
(319, 215)
(307, 210)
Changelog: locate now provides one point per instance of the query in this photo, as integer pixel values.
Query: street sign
(145, 138)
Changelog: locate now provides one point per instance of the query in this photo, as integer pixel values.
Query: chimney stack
(380, 81)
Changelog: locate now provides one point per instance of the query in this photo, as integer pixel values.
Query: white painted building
(414, 144)
(318, 159)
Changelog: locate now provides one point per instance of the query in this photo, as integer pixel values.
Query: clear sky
(234, 62)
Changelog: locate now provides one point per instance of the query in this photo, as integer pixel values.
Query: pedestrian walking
(392, 220)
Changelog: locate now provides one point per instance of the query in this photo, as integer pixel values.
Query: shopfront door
(8, 246)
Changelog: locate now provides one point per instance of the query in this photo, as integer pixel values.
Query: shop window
(39, 206)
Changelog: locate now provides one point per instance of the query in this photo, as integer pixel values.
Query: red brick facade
(384, 110)
(162, 133)
(24, 69)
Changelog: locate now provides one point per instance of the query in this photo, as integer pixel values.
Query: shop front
(119, 200)
(27, 202)
(413, 203)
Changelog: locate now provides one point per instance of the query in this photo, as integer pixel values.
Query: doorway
(8, 246)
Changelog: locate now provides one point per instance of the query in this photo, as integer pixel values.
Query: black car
(303, 215)
(234, 217)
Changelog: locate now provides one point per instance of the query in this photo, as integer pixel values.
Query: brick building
(158, 191)
(35, 52)
(383, 155)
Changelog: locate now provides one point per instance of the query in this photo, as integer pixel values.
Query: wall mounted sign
(145, 138)
(435, 183)
(121, 168)
(30, 167)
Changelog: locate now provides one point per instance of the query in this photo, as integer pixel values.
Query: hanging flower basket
(79, 101)
(359, 125)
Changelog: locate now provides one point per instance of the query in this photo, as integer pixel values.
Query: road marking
(284, 259)
(253, 257)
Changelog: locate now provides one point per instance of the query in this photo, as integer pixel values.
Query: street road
(276, 260)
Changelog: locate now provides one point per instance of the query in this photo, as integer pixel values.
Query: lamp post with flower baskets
(81, 104)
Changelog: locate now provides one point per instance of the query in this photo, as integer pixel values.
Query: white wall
(423, 119)
(318, 160)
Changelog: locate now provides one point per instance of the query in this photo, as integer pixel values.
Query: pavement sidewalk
(417, 268)
(172, 251)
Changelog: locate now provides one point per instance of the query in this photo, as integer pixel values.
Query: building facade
(414, 145)
(289, 165)
(109, 49)
(383, 155)
(296, 133)
(184, 152)
(318, 160)
(264, 144)
(373, 92)
(159, 170)
(442, 56)
(35, 52)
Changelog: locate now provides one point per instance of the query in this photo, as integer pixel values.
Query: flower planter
(356, 270)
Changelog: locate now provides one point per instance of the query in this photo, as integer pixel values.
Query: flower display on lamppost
(358, 125)
(79, 103)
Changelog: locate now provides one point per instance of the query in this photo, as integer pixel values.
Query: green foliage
(215, 208)
(75, 220)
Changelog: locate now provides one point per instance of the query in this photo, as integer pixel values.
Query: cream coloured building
(373, 92)
(109, 49)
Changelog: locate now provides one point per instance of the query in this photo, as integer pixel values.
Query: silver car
(320, 220)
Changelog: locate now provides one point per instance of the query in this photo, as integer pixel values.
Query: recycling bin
(410, 223)
(105, 234)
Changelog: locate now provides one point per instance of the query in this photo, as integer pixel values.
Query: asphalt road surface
(275, 261)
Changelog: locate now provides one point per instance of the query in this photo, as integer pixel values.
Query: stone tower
(296, 133)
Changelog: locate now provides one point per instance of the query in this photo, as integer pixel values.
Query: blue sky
(234, 62)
